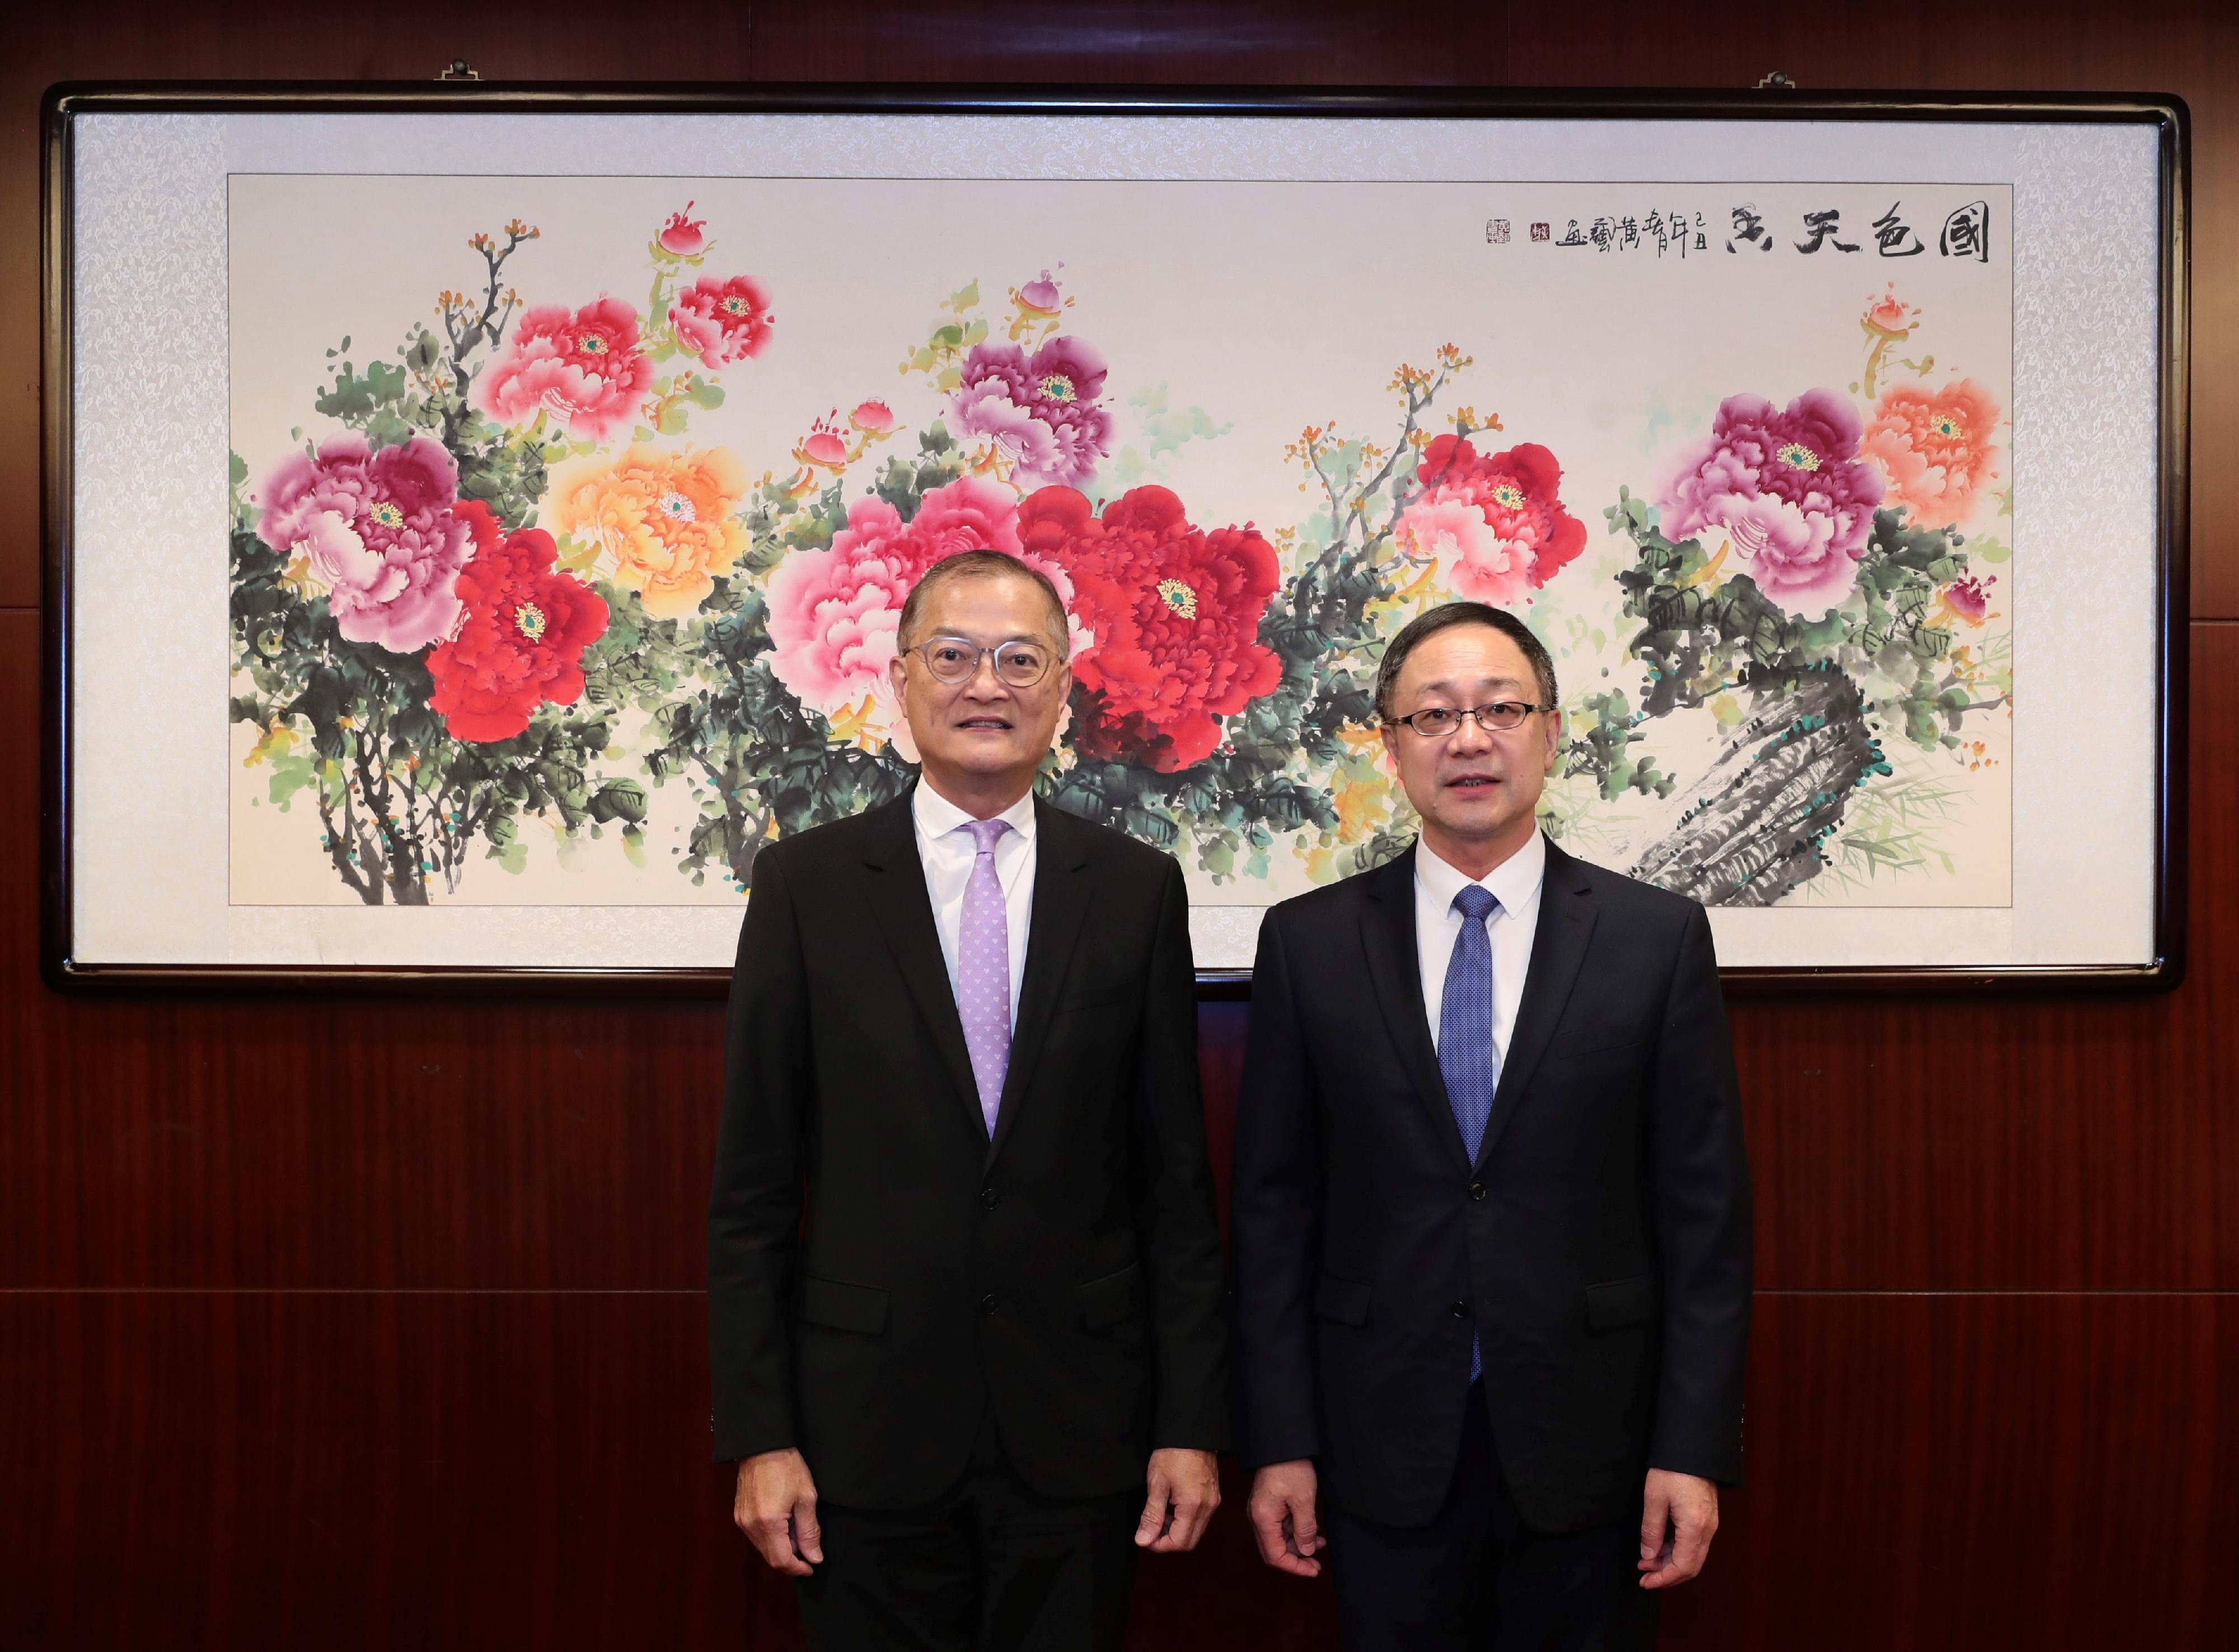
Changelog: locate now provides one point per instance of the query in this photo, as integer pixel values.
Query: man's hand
(1282, 1511)
(776, 1509)
(1184, 1489)
(1678, 1517)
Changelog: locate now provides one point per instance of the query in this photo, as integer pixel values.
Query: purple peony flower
(1039, 410)
(1788, 489)
(379, 530)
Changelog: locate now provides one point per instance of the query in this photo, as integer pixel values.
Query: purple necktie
(983, 970)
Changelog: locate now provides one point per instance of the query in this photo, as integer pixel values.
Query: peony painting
(573, 580)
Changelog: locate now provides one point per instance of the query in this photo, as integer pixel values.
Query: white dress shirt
(1515, 883)
(946, 851)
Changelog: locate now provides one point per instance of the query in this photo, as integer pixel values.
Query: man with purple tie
(965, 1282)
(1490, 1208)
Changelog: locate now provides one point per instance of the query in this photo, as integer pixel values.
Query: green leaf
(705, 393)
(618, 801)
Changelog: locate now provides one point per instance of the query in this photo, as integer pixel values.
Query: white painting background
(1266, 306)
(147, 509)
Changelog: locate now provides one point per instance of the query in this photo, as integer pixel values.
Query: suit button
(1477, 1190)
(987, 1304)
(1458, 1309)
(989, 1199)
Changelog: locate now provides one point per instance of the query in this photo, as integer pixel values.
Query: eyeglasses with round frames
(1437, 722)
(1019, 663)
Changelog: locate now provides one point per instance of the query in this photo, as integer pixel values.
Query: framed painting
(478, 519)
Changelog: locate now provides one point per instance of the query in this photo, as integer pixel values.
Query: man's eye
(946, 656)
(1025, 657)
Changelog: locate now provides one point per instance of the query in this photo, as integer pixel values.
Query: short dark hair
(1445, 617)
(967, 565)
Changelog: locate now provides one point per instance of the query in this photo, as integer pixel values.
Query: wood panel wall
(339, 1326)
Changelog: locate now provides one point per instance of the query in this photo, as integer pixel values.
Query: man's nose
(983, 683)
(1471, 736)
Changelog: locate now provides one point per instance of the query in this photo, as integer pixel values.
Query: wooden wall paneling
(1968, 1471)
(342, 1471)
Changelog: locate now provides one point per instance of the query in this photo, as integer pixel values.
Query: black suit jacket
(1600, 1243)
(877, 1268)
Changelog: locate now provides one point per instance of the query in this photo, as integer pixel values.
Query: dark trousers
(989, 1567)
(1477, 1578)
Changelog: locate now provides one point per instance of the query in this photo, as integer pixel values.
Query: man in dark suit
(1490, 1208)
(964, 1275)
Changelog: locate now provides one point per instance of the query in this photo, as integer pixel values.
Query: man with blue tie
(964, 1272)
(1491, 1207)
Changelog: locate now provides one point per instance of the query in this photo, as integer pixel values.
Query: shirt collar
(936, 816)
(1513, 882)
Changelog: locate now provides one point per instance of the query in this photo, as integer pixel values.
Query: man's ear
(1554, 738)
(1390, 736)
(897, 674)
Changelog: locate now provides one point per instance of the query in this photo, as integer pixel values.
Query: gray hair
(967, 565)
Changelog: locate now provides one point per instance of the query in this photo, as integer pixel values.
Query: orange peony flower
(1934, 449)
(664, 520)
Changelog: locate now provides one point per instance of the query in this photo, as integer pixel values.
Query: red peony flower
(722, 322)
(522, 641)
(1176, 615)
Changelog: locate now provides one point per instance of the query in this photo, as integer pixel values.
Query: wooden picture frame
(146, 918)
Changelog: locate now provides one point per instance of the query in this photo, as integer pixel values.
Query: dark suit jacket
(1068, 1274)
(1600, 1243)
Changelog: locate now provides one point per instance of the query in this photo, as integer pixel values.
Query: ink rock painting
(572, 518)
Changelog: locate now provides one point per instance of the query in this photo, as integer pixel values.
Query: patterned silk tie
(1465, 1053)
(983, 970)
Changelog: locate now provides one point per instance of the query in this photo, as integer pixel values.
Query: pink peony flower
(582, 366)
(380, 530)
(834, 614)
(1522, 538)
(682, 236)
(1039, 411)
(971, 513)
(1935, 450)
(1474, 560)
(722, 322)
(1787, 487)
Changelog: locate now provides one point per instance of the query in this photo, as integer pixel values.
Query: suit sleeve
(1177, 1220)
(1275, 1207)
(753, 1214)
(1702, 1215)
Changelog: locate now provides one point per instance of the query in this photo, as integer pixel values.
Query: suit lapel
(1062, 892)
(1387, 931)
(905, 917)
(1566, 921)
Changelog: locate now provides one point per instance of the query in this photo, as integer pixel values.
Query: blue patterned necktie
(1465, 1053)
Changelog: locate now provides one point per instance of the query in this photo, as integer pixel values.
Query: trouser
(992, 1567)
(1477, 1578)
